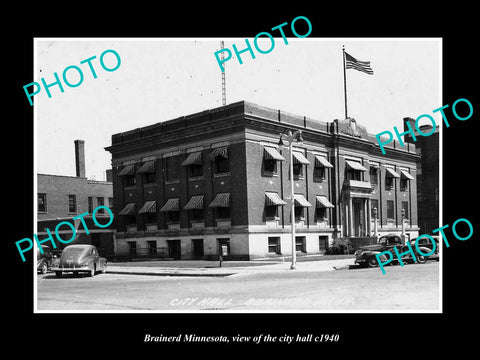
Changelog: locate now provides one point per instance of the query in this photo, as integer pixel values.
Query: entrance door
(224, 241)
(197, 248)
(358, 217)
(174, 249)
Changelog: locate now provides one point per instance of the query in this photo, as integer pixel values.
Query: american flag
(352, 63)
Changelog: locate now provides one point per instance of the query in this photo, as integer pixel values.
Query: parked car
(80, 258)
(365, 255)
(426, 243)
(45, 260)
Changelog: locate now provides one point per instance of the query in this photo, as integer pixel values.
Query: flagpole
(344, 81)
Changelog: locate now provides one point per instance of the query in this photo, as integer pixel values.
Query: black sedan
(427, 243)
(80, 258)
(44, 259)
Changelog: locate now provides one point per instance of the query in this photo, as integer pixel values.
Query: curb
(151, 273)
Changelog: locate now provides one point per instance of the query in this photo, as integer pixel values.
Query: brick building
(428, 174)
(61, 198)
(191, 184)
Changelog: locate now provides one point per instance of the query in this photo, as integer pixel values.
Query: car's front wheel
(104, 270)
(44, 268)
(58, 274)
(372, 261)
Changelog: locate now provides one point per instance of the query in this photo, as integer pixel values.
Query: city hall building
(187, 186)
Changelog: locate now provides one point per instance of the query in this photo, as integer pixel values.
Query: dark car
(426, 243)
(80, 258)
(366, 255)
(45, 260)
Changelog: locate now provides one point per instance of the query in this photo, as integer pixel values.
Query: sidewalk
(212, 269)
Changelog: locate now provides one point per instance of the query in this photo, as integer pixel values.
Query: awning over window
(322, 201)
(148, 207)
(321, 161)
(355, 165)
(391, 173)
(405, 174)
(147, 167)
(221, 200)
(300, 201)
(220, 151)
(272, 154)
(171, 205)
(195, 202)
(299, 158)
(273, 199)
(194, 158)
(129, 209)
(127, 170)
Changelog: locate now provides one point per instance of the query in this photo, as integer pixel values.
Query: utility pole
(224, 91)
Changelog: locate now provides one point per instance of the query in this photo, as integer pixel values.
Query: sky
(165, 78)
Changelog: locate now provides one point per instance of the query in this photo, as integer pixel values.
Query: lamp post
(375, 224)
(290, 138)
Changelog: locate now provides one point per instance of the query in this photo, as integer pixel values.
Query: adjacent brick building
(61, 198)
(191, 184)
(428, 174)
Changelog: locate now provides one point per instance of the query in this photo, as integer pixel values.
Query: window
(90, 204)
(195, 170)
(110, 202)
(173, 216)
(321, 213)
(388, 183)
(353, 174)
(150, 217)
(270, 166)
(129, 180)
(373, 175)
(403, 184)
(321, 165)
(274, 245)
(299, 213)
(223, 213)
(72, 203)
(390, 175)
(390, 209)
(405, 208)
(172, 168)
(271, 212)
(193, 162)
(197, 214)
(271, 157)
(42, 202)
(354, 170)
(219, 156)
(221, 165)
(297, 170)
(130, 219)
(319, 173)
(148, 178)
(100, 202)
(300, 244)
(373, 206)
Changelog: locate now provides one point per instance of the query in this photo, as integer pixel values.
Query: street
(413, 287)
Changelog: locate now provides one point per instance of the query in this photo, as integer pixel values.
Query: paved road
(412, 287)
